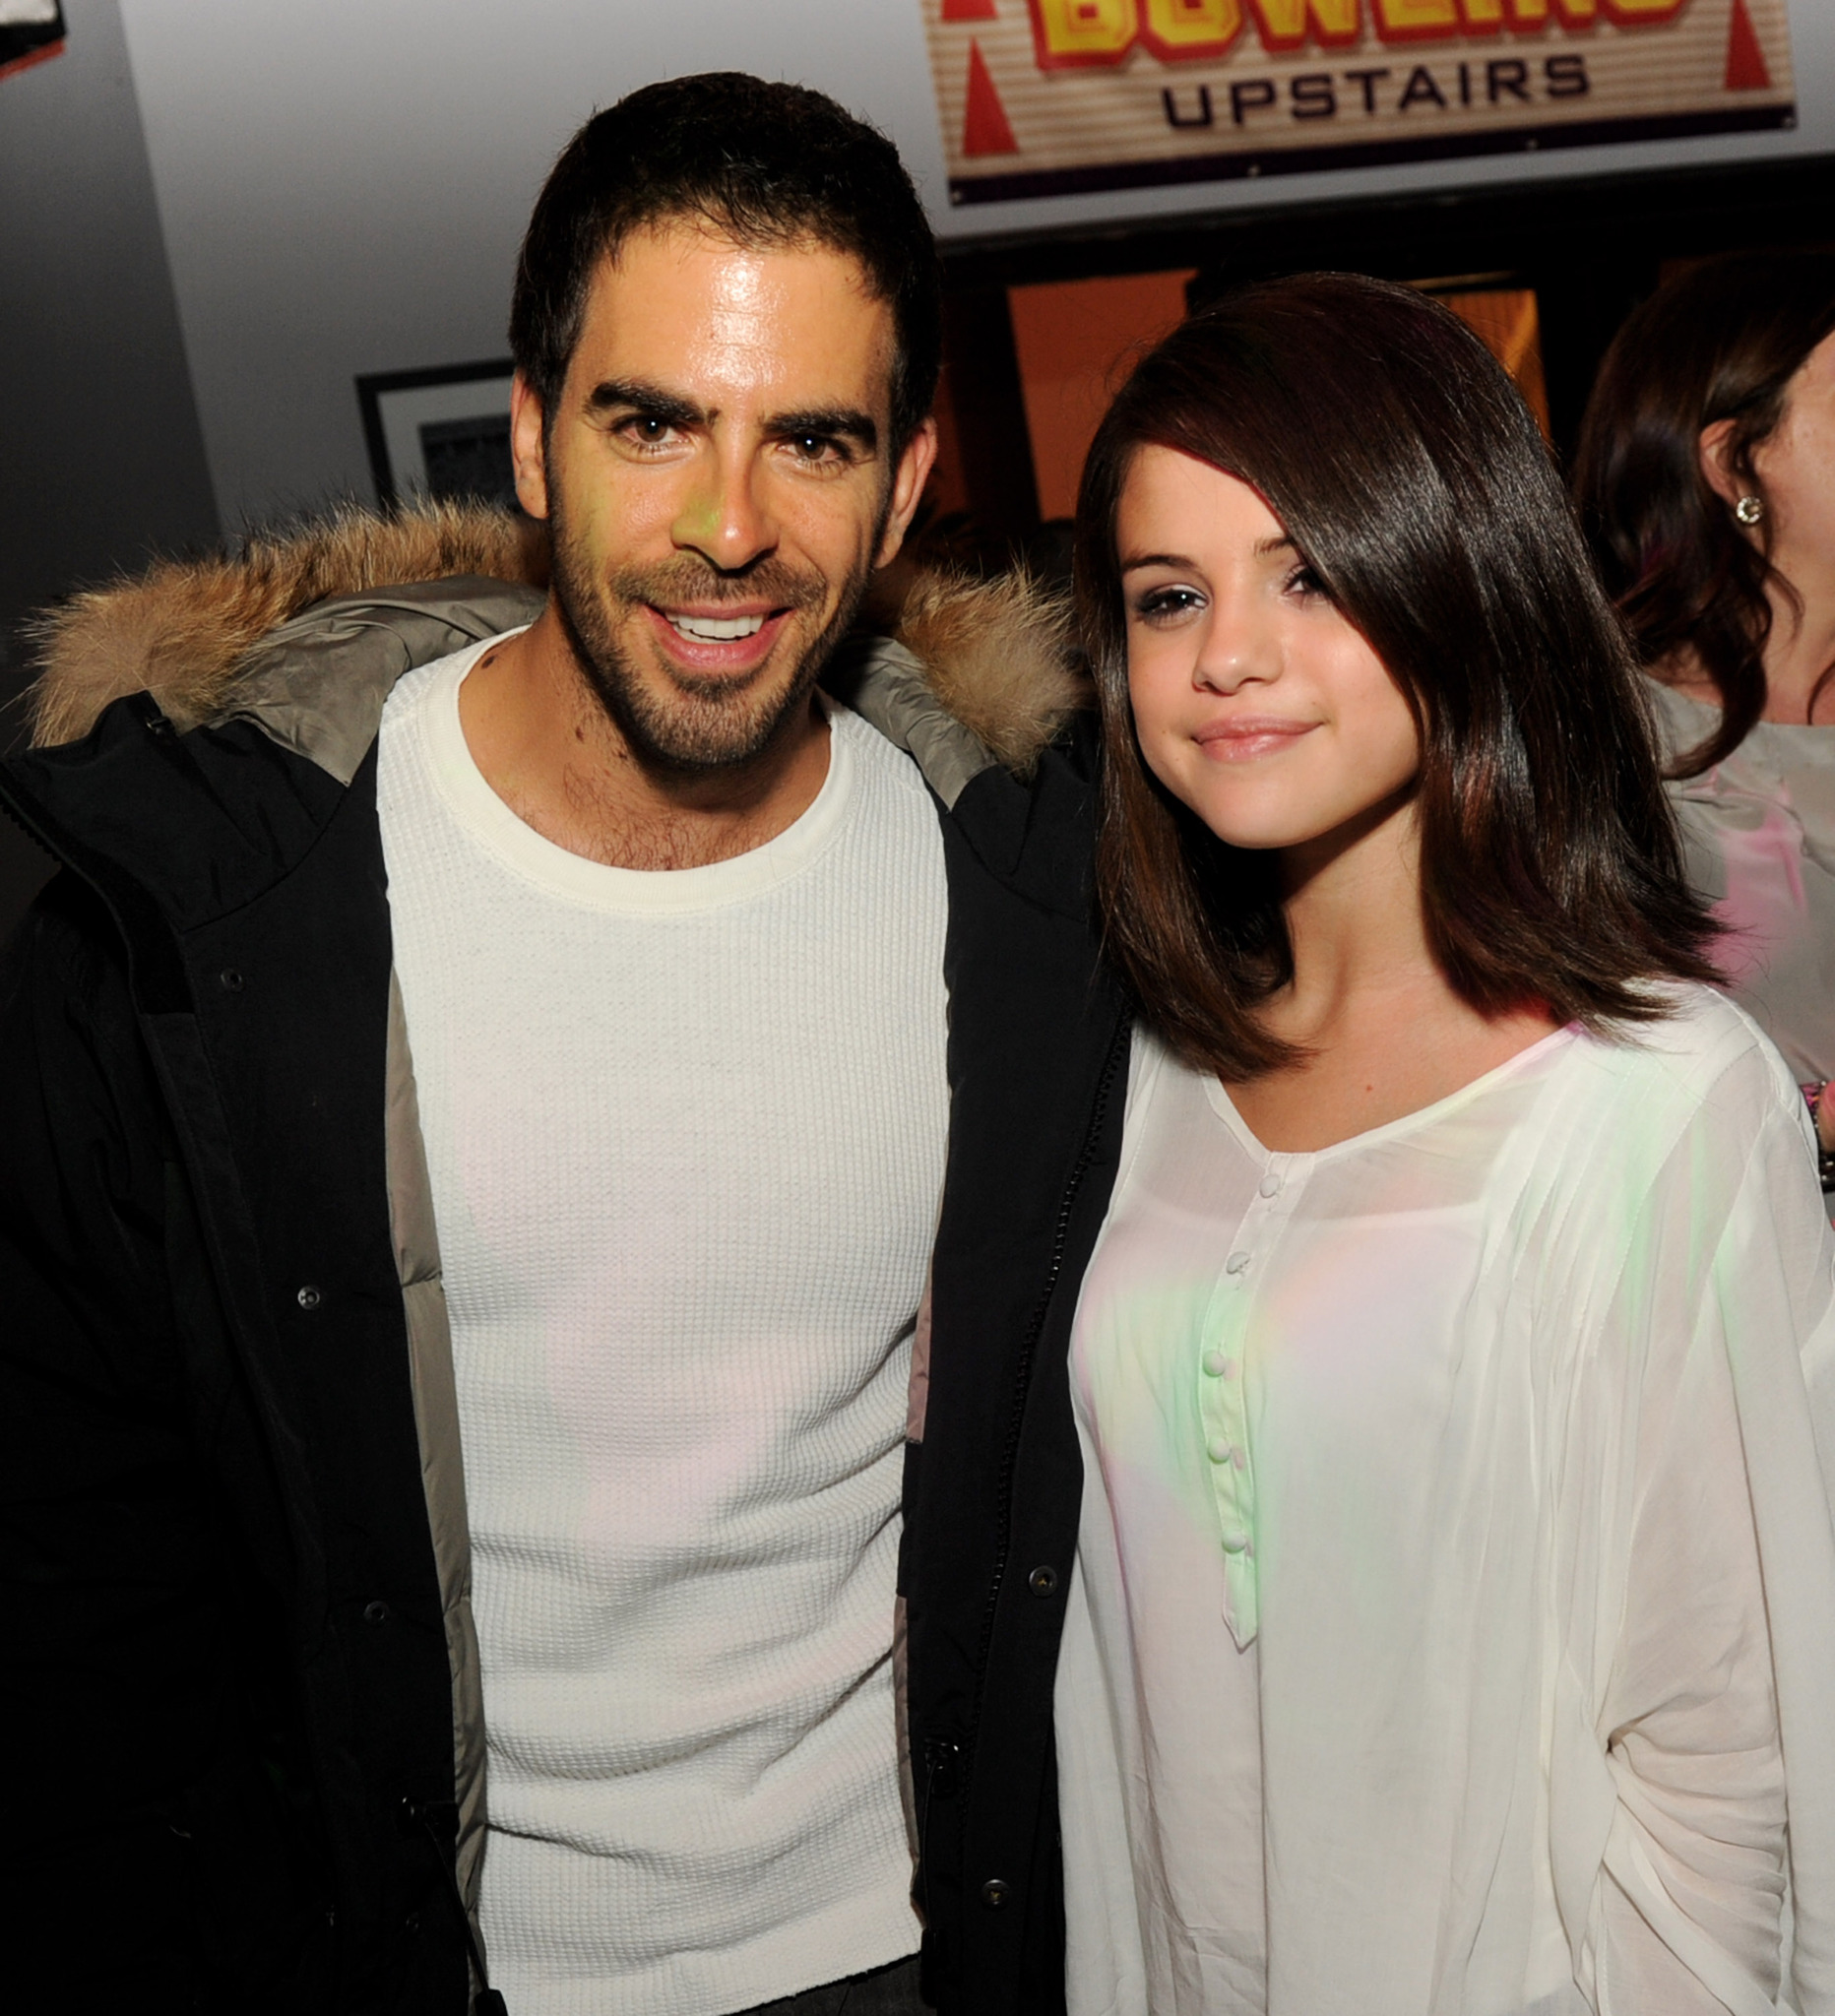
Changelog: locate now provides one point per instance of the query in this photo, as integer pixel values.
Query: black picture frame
(440, 432)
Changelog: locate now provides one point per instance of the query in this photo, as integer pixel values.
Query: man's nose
(723, 516)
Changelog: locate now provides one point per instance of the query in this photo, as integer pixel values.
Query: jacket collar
(303, 634)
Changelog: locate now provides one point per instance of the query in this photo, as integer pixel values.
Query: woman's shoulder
(1677, 711)
(1701, 1070)
(1690, 1120)
(1700, 1036)
(1681, 721)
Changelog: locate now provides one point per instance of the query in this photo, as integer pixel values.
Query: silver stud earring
(1750, 509)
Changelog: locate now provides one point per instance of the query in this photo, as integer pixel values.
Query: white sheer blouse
(1759, 829)
(1453, 1630)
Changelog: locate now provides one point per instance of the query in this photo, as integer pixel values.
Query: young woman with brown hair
(1453, 1613)
(1706, 476)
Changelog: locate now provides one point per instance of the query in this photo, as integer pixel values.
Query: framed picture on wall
(443, 432)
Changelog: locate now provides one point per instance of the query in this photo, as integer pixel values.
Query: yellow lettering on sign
(1532, 13)
(1637, 13)
(1179, 31)
(1069, 34)
(1284, 23)
(1482, 16)
(1416, 20)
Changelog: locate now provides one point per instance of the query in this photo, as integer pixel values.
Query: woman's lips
(1247, 736)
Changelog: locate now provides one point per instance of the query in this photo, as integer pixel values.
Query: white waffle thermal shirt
(686, 1133)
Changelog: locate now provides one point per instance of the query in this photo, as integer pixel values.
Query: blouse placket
(1223, 1408)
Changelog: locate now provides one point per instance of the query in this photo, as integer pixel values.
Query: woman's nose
(1237, 648)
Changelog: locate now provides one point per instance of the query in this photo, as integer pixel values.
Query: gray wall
(343, 184)
(101, 461)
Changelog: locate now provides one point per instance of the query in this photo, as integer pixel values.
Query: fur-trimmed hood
(994, 656)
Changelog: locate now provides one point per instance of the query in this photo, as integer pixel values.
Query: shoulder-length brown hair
(1722, 342)
(1410, 475)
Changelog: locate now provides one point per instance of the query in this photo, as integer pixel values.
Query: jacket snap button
(308, 1298)
(942, 1769)
(1042, 1581)
(377, 1613)
(994, 1893)
(229, 981)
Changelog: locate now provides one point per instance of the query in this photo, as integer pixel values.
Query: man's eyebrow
(654, 402)
(846, 422)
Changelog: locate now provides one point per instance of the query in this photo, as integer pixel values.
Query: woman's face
(1797, 465)
(1256, 702)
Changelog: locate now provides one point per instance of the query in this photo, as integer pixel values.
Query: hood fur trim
(181, 630)
(997, 654)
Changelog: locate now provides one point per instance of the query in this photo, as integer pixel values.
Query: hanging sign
(1044, 97)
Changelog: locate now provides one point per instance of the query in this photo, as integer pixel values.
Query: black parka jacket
(239, 1660)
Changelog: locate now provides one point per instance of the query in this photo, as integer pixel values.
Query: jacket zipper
(427, 1816)
(1060, 1239)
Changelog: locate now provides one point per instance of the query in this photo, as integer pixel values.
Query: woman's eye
(1304, 582)
(1166, 604)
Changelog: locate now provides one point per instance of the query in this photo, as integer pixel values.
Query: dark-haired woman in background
(1453, 1621)
(1706, 476)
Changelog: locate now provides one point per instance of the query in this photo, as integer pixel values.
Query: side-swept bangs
(1411, 478)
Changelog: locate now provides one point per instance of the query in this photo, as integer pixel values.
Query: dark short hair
(1720, 343)
(768, 164)
(1413, 480)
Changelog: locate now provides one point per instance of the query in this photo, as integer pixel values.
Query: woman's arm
(1691, 1717)
(1717, 1686)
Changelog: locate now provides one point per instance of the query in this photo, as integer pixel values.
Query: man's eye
(816, 448)
(646, 430)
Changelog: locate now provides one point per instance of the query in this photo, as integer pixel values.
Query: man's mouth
(716, 629)
(730, 643)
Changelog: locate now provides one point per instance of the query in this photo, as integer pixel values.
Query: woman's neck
(1353, 921)
(1799, 650)
(1380, 1030)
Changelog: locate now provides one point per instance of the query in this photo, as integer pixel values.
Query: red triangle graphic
(985, 128)
(1746, 60)
(969, 10)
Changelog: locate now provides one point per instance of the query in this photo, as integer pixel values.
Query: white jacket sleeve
(1717, 1702)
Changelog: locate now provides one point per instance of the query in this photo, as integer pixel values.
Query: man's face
(719, 485)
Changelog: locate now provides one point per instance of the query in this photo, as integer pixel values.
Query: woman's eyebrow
(1282, 542)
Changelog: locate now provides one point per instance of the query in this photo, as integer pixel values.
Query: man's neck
(546, 746)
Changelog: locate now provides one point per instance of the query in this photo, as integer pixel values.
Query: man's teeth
(718, 629)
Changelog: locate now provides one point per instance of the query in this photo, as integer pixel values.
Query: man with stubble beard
(477, 1102)
(670, 931)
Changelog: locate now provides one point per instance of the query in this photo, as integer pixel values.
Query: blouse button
(1236, 1542)
(1270, 1185)
(1216, 1364)
(1219, 1449)
(1237, 1263)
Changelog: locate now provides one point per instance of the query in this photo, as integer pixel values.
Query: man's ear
(907, 481)
(1716, 470)
(526, 448)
